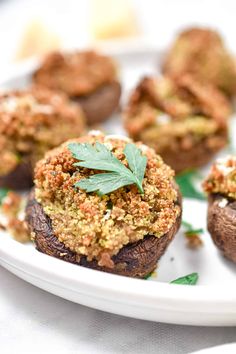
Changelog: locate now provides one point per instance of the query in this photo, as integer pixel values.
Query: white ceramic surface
(219, 349)
(211, 302)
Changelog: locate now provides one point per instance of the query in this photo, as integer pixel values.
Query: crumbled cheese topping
(222, 203)
(222, 178)
(33, 121)
(226, 165)
(117, 137)
(163, 119)
(94, 132)
(27, 102)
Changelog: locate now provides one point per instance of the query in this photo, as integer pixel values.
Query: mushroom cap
(221, 223)
(136, 259)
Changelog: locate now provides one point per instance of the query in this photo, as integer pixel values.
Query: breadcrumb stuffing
(99, 227)
(76, 74)
(201, 51)
(222, 178)
(19, 230)
(163, 112)
(33, 121)
(194, 241)
(12, 206)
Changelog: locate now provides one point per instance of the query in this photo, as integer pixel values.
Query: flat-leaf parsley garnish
(190, 279)
(190, 230)
(99, 157)
(186, 183)
(3, 194)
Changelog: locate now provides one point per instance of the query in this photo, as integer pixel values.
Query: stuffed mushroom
(201, 51)
(32, 122)
(119, 221)
(184, 120)
(220, 185)
(86, 77)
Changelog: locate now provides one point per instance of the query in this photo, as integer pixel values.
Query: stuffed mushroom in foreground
(220, 185)
(119, 220)
(85, 77)
(185, 121)
(32, 122)
(201, 51)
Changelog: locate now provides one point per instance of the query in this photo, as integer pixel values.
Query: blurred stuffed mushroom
(32, 122)
(105, 203)
(85, 77)
(184, 120)
(201, 51)
(220, 185)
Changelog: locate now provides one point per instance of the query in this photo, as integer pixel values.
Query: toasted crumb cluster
(99, 227)
(76, 74)
(162, 113)
(12, 208)
(193, 241)
(33, 121)
(201, 51)
(222, 178)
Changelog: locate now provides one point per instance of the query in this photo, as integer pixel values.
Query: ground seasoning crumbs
(194, 241)
(201, 51)
(12, 207)
(32, 122)
(222, 178)
(76, 74)
(166, 113)
(99, 227)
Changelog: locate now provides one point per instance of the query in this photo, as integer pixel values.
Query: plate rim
(212, 299)
(74, 276)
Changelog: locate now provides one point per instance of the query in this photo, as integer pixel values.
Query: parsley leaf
(3, 193)
(185, 181)
(190, 279)
(99, 157)
(148, 276)
(189, 230)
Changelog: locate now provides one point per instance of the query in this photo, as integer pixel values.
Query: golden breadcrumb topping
(76, 74)
(33, 121)
(99, 227)
(161, 111)
(222, 177)
(12, 208)
(201, 51)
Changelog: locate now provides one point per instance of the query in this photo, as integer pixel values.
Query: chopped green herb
(109, 205)
(193, 232)
(3, 193)
(190, 279)
(189, 230)
(148, 276)
(185, 181)
(99, 157)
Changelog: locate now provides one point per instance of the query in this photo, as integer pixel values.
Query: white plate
(211, 302)
(219, 349)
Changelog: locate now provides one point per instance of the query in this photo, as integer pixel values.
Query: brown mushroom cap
(136, 259)
(86, 77)
(181, 158)
(100, 104)
(20, 178)
(31, 122)
(221, 223)
(195, 118)
(201, 51)
(104, 224)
